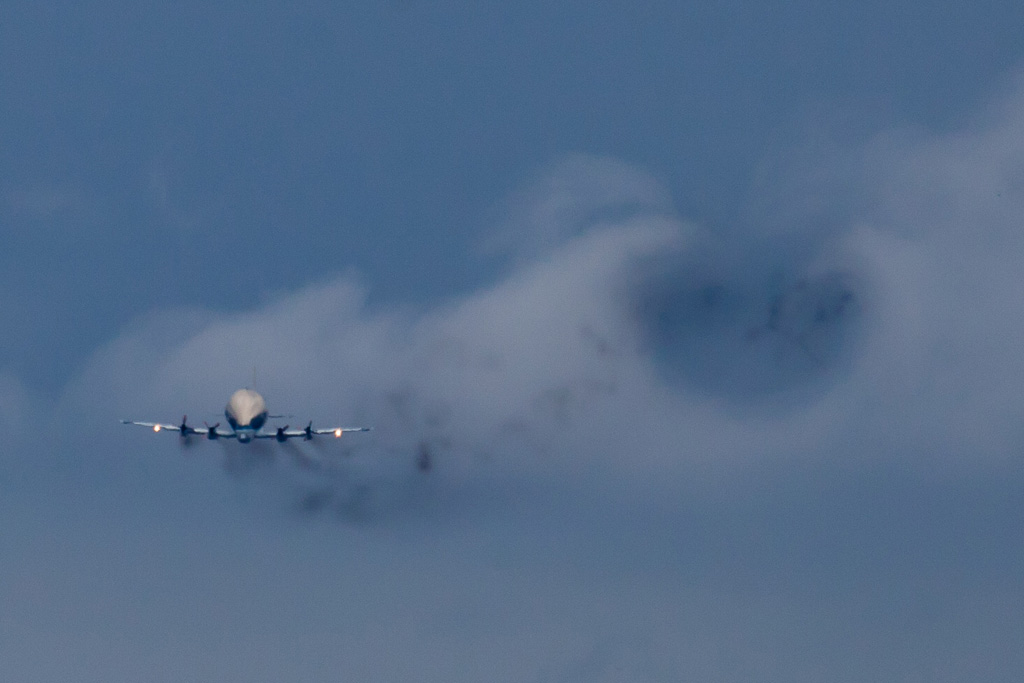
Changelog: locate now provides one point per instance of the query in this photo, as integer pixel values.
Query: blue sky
(707, 315)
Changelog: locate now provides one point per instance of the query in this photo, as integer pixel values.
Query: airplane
(246, 413)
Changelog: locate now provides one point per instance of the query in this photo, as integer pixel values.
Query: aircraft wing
(283, 433)
(160, 426)
(187, 429)
(338, 431)
(277, 434)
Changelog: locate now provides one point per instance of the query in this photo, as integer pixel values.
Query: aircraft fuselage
(246, 412)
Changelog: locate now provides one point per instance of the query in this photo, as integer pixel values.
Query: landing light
(337, 433)
(156, 428)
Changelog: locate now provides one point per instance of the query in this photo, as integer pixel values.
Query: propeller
(309, 431)
(211, 432)
(281, 436)
(185, 442)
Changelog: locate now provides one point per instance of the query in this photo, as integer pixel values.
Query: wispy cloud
(627, 331)
(654, 451)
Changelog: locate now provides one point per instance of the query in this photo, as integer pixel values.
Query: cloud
(654, 451)
(568, 199)
(626, 330)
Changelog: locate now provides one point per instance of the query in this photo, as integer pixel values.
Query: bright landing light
(337, 433)
(156, 428)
